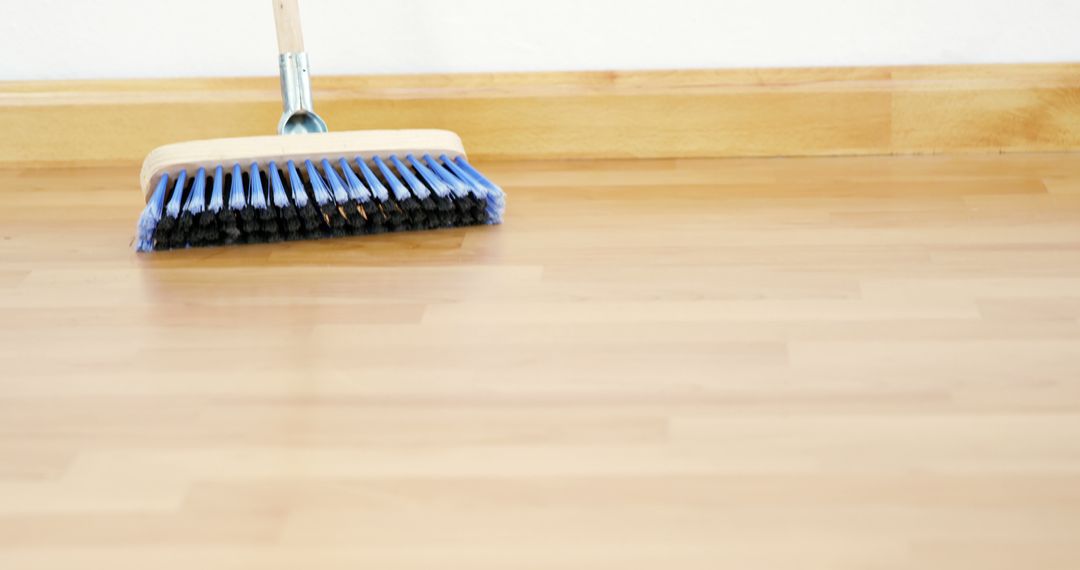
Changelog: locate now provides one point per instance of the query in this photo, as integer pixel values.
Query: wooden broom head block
(209, 154)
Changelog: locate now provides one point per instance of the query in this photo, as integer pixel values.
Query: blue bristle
(460, 161)
(196, 201)
(318, 187)
(459, 188)
(151, 215)
(257, 196)
(299, 195)
(414, 183)
(357, 190)
(278, 196)
(475, 187)
(399, 189)
(496, 199)
(173, 208)
(217, 199)
(336, 185)
(236, 192)
(152, 211)
(437, 185)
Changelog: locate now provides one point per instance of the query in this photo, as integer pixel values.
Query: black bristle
(375, 219)
(205, 230)
(472, 210)
(431, 219)
(248, 223)
(393, 214)
(163, 232)
(332, 216)
(355, 217)
(415, 216)
(267, 220)
(311, 221)
(230, 232)
(443, 204)
(445, 211)
(289, 219)
(309, 218)
(182, 232)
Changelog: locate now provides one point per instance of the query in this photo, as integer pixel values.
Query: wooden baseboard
(701, 113)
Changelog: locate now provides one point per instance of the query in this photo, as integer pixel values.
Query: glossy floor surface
(839, 363)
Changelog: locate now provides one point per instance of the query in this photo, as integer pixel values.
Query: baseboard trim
(655, 114)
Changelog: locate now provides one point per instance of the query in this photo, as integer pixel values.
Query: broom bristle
(318, 199)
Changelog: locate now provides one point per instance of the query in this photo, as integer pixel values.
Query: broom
(307, 183)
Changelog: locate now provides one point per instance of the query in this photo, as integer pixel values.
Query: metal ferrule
(299, 115)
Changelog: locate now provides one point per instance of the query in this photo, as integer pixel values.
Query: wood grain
(212, 153)
(290, 37)
(817, 363)
(663, 114)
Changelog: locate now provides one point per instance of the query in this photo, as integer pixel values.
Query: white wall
(59, 39)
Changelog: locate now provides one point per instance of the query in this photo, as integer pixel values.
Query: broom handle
(290, 39)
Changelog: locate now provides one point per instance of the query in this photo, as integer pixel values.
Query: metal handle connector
(299, 116)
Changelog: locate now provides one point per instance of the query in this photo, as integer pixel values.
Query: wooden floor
(860, 363)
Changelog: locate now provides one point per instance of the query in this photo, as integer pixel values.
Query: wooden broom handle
(287, 17)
